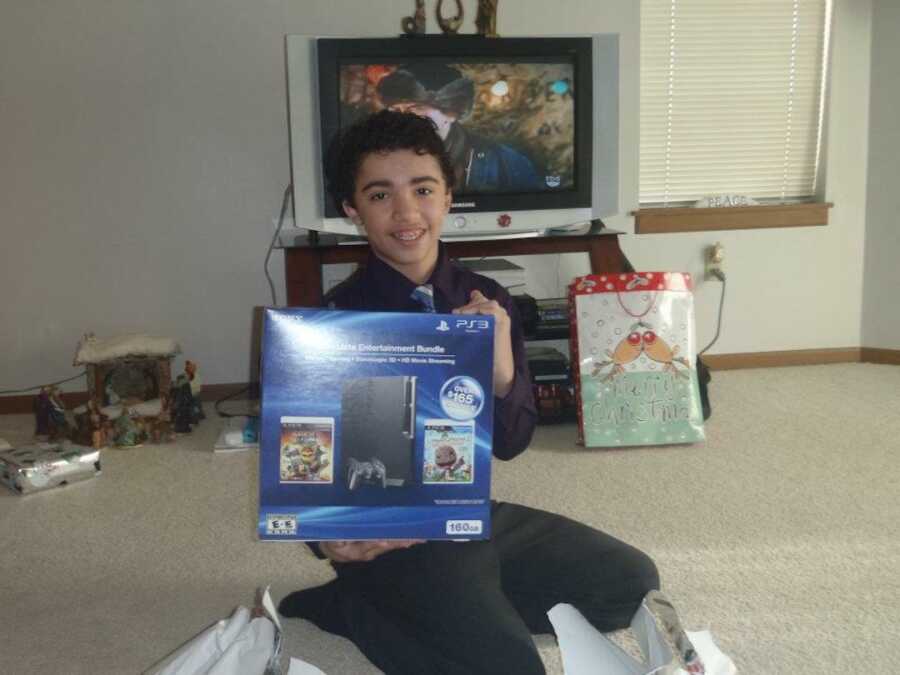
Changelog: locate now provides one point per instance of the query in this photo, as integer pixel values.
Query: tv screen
(517, 117)
(508, 127)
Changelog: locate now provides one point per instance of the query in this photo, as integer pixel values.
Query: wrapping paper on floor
(247, 643)
(42, 466)
(666, 648)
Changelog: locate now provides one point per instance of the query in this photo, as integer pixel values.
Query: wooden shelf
(668, 220)
(303, 259)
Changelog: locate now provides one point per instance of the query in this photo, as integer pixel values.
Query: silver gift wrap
(42, 466)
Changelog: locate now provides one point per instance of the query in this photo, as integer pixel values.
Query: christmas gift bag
(632, 338)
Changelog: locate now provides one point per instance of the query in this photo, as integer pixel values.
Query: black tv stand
(305, 255)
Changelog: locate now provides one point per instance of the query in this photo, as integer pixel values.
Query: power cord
(720, 275)
(48, 384)
(288, 192)
(284, 203)
(222, 413)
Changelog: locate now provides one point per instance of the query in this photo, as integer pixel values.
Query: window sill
(667, 220)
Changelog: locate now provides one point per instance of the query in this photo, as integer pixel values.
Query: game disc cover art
(307, 450)
(449, 452)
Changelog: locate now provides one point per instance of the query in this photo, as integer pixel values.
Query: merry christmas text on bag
(632, 343)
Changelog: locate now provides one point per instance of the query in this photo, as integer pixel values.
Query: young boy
(447, 607)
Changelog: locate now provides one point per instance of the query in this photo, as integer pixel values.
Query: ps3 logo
(472, 324)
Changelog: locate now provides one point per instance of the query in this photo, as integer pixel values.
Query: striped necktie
(424, 294)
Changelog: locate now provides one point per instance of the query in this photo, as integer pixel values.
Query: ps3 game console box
(41, 466)
(375, 425)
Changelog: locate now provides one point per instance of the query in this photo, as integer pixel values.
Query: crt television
(531, 124)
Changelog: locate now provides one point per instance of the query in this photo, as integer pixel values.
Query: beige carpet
(781, 534)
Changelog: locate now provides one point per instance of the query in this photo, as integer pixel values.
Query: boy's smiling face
(401, 200)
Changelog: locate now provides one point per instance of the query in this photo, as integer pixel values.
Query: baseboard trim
(889, 357)
(18, 405)
(795, 357)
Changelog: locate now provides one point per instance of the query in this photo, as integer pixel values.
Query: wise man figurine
(59, 425)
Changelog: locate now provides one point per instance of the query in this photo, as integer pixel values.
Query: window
(732, 94)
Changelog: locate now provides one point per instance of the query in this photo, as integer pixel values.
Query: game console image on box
(378, 418)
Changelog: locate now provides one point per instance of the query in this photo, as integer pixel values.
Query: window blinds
(731, 98)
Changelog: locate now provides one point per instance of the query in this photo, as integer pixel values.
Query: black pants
(455, 608)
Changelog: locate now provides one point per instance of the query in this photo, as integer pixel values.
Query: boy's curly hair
(384, 131)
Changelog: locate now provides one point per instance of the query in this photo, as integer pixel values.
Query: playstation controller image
(372, 472)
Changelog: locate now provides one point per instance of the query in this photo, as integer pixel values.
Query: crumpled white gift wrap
(234, 646)
(586, 651)
(299, 667)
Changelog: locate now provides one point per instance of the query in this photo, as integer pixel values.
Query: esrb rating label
(463, 528)
(285, 524)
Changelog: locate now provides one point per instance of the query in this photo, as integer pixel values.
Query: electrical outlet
(715, 262)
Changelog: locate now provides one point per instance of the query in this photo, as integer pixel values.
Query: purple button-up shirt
(379, 287)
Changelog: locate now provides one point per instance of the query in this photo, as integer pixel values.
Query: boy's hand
(362, 551)
(504, 365)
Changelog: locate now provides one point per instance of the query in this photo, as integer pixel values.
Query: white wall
(144, 153)
(881, 308)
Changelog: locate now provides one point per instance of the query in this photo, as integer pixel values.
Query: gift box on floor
(632, 338)
(42, 466)
(375, 425)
